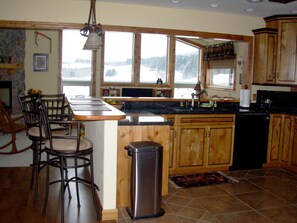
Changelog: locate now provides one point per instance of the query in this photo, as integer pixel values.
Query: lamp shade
(199, 86)
(93, 42)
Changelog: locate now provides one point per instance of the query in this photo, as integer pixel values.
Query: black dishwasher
(250, 142)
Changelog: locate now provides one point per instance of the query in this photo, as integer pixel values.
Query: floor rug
(200, 179)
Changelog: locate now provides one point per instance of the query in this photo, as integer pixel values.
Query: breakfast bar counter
(101, 125)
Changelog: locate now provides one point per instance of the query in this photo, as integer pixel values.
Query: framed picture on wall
(40, 62)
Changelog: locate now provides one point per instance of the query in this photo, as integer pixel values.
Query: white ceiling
(262, 9)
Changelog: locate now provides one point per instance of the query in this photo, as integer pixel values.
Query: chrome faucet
(198, 95)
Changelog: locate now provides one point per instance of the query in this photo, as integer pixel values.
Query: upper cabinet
(265, 56)
(275, 51)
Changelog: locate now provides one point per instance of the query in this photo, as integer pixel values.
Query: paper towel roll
(245, 96)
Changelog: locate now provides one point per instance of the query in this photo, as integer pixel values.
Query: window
(187, 68)
(140, 59)
(76, 64)
(220, 74)
(118, 54)
(153, 58)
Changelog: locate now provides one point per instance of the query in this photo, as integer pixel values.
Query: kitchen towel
(245, 96)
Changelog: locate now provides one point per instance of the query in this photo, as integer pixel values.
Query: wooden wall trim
(55, 25)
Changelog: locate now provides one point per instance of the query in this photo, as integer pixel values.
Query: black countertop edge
(184, 111)
(123, 123)
(149, 116)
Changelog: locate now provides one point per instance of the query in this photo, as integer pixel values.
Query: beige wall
(45, 80)
(76, 11)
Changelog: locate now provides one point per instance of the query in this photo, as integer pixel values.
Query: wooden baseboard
(110, 214)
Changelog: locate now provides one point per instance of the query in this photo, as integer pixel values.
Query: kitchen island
(110, 131)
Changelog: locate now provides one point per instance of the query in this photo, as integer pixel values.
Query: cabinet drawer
(208, 120)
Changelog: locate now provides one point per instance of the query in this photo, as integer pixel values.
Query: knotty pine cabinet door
(265, 54)
(287, 55)
(220, 146)
(280, 138)
(192, 143)
(294, 145)
(287, 137)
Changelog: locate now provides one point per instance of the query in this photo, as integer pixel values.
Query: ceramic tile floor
(260, 196)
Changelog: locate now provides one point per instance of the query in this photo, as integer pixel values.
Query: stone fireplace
(12, 44)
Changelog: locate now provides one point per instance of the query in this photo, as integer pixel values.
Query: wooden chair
(8, 125)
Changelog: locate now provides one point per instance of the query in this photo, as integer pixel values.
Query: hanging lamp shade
(93, 42)
(92, 30)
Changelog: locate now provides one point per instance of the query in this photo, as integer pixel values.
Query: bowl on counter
(118, 106)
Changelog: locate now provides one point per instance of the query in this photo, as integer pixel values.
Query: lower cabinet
(201, 143)
(294, 145)
(282, 142)
(280, 138)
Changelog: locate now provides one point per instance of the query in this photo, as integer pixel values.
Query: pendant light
(92, 30)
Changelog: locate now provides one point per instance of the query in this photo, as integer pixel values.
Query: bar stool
(30, 113)
(61, 148)
(32, 132)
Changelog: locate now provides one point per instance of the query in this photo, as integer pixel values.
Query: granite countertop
(150, 113)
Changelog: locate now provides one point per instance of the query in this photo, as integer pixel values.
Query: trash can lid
(145, 146)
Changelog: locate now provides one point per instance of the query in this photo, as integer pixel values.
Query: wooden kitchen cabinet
(265, 49)
(294, 145)
(203, 143)
(280, 139)
(191, 146)
(220, 146)
(286, 55)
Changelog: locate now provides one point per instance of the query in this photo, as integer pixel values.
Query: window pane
(76, 62)
(222, 78)
(186, 64)
(153, 58)
(221, 74)
(118, 57)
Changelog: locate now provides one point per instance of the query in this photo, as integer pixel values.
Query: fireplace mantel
(11, 68)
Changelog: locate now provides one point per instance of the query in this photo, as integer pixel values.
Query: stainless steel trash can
(146, 179)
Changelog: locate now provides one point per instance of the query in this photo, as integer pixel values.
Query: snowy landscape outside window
(187, 68)
(76, 64)
(118, 54)
(153, 58)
